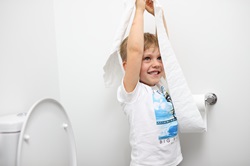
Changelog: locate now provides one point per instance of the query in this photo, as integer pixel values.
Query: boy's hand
(140, 4)
(150, 7)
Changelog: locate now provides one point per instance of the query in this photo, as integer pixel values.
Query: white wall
(211, 40)
(28, 58)
(85, 30)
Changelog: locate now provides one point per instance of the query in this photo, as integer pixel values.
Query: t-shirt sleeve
(127, 97)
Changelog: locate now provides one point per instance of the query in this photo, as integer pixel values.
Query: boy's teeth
(154, 72)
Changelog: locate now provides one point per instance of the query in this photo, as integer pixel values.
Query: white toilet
(42, 137)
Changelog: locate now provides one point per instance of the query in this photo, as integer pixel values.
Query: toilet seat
(46, 138)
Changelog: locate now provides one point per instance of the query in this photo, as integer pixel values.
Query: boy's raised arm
(135, 48)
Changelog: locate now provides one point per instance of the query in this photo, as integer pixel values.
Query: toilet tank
(10, 127)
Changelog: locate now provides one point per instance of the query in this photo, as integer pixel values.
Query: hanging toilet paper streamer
(201, 105)
(188, 115)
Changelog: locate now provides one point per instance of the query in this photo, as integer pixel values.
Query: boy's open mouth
(154, 72)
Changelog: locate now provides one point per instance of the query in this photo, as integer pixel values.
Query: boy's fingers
(149, 3)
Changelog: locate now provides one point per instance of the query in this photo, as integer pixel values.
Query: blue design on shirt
(165, 116)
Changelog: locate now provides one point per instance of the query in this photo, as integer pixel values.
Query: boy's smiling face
(151, 67)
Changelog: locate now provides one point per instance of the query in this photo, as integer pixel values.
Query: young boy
(153, 126)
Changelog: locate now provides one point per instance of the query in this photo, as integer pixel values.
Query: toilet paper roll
(201, 105)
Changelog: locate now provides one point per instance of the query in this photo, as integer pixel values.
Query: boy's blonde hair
(149, 40)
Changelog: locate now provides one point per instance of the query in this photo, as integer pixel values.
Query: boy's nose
(156, 64)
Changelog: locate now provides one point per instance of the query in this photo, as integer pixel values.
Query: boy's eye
(159, 58)
(147, 58)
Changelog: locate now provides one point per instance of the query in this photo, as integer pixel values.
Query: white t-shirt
(153, 127)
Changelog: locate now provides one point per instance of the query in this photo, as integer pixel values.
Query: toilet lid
(46, 138)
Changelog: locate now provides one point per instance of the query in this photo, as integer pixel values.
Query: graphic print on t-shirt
(165, 118)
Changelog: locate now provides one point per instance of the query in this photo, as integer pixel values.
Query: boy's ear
(124, 64)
